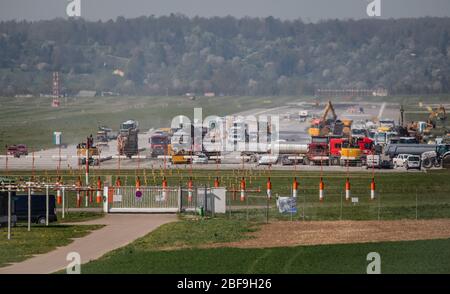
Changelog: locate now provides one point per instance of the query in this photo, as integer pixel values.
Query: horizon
(305, 10)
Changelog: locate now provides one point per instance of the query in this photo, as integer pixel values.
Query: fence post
(63, 206)
(379, 204)
(304, 204)
(205, 204)
(46, 205)
(416, 204)
(9, 213)
(180, 199)
(29, 208)
(213, 203)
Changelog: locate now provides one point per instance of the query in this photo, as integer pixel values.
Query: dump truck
(127, 140)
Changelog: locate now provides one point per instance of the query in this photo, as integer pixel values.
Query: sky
(307, 10)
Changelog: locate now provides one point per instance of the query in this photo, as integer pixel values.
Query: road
(119, 231)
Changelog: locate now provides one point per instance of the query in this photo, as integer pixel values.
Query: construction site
(168, 154)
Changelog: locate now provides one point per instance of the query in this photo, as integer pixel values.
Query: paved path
(120, 230)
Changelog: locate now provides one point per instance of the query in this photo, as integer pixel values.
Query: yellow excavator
(436, 115)
(322, 126)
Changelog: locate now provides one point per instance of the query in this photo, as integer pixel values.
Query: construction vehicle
(159, 143)
(437, 117)
(88, 151)
(353, 152)
(438, 157)
(127, 140)
(318, 151)
(392, 150)
(323, 126)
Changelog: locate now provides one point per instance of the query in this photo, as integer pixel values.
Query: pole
(46, 205)
(379, 205)
(267, 211)
(29, 208)
(304, 205)
(9, 214)
(417, 205)
(63, 202)
(340, 214)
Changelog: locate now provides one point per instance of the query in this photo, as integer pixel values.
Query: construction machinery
(127, 140)
(437, 117)
(323, 126)
(88, 151)
(440, 157)
(318, 151)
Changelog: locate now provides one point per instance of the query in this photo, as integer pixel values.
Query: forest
(175, 54)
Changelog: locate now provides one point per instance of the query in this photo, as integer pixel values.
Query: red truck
(318, 151)
(159, 144)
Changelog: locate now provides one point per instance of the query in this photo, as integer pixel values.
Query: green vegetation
(78, 216)
(39, 240)
(193, 232)
(248, 56)
(159, 252)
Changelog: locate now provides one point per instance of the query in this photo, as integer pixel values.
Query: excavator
(422, 129)
(323, 126)
(436, 116)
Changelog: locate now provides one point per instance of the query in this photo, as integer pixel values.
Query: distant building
(119, 72)
(86, 93)
(210, 94)
(380, 92)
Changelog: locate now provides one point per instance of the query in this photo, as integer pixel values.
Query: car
(200, 159)
(289, 160)
(413, 162)
(38, 208)
(268, 160)
(400, 160)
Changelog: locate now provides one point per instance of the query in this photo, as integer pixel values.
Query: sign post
(29, 208)
(9, 213)
(46, 205)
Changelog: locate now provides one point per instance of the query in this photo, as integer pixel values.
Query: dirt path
(282, 234)
(119, 231)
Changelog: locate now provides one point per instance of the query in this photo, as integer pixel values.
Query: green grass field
(32, 121)
(170, 249)
(40, 239)
(399, 195)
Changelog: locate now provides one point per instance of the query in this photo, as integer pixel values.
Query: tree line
(175, 54)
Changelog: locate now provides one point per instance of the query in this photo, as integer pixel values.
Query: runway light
(78, 184)
(58, 191)
(372, 189)
(347, 189)
(294, 188)
(99, 190)
(164, 188)
(242, 189)
(321, 189)
(269, 188)
(190, 189)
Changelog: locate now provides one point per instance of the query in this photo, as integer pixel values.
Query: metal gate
(146, 199)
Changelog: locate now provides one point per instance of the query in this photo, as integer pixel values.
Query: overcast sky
(308, 10)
